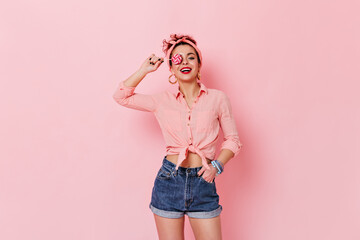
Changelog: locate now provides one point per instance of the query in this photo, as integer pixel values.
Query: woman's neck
(189, 89)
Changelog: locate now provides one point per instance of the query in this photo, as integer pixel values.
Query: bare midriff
(192, 160)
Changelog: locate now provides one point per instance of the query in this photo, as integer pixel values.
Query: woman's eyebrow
(190, 53)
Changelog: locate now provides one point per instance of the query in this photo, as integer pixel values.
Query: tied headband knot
(179, 40)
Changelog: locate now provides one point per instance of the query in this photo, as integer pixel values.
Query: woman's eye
(191, 58)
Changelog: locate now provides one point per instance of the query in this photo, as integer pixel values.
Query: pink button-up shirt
(194, 129)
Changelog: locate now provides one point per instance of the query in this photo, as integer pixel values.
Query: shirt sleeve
(228, 126)
(126, 97)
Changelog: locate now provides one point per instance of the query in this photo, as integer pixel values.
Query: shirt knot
(192, 148)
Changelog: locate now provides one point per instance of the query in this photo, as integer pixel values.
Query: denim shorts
(180, 192)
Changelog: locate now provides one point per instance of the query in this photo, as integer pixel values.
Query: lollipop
(176, 59)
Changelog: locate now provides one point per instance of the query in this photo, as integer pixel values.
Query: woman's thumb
(201, 171)
(157, 64)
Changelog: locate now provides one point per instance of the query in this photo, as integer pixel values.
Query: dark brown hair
(174, 37)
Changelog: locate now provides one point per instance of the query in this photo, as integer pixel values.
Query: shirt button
(188, 124)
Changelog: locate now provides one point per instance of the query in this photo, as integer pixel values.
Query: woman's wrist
(213, 168)
(221, 163)
(142, 73)
(218, 166)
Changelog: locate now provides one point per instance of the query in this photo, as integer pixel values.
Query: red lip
(186, 68)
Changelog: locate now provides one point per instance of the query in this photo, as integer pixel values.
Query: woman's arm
(125, 95)
(135, 78)
(231, 145)
(225, 155)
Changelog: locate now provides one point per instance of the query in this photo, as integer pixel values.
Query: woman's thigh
(169, 228)
(206, 228)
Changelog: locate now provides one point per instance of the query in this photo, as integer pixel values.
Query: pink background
(75, 165)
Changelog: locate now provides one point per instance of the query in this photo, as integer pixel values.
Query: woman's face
(189, 61)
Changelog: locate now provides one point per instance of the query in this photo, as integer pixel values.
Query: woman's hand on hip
(209, 174)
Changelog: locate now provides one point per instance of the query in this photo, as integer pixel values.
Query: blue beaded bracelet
(218, 166)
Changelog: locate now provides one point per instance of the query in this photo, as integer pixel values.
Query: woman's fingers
(158, 62)
(201, 171)
(210, 179)
(151, 58)
(208, 175)
(154, 59)
(148, 61)
(152, 63)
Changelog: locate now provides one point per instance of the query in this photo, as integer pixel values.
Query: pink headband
(183, 39)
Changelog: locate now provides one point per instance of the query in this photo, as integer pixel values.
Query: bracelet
(222, 165)
(215, 166)
(218, 166)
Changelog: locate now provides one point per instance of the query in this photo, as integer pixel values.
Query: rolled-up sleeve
(228, 126)
(126, 97)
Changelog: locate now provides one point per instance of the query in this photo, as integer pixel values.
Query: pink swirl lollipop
(176, 59)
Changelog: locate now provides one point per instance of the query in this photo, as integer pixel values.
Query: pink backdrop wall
(75, 165)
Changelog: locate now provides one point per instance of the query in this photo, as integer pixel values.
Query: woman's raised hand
(151, 64)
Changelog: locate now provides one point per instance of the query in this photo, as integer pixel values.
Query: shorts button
(189, 170)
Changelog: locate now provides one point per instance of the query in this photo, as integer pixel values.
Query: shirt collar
(203, 88)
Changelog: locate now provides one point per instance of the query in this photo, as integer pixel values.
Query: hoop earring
(199, 76)
(171, 81)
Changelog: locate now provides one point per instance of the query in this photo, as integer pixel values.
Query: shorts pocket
(203, 180)
(163, 173)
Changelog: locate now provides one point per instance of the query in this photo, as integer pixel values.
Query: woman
(190, 121)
